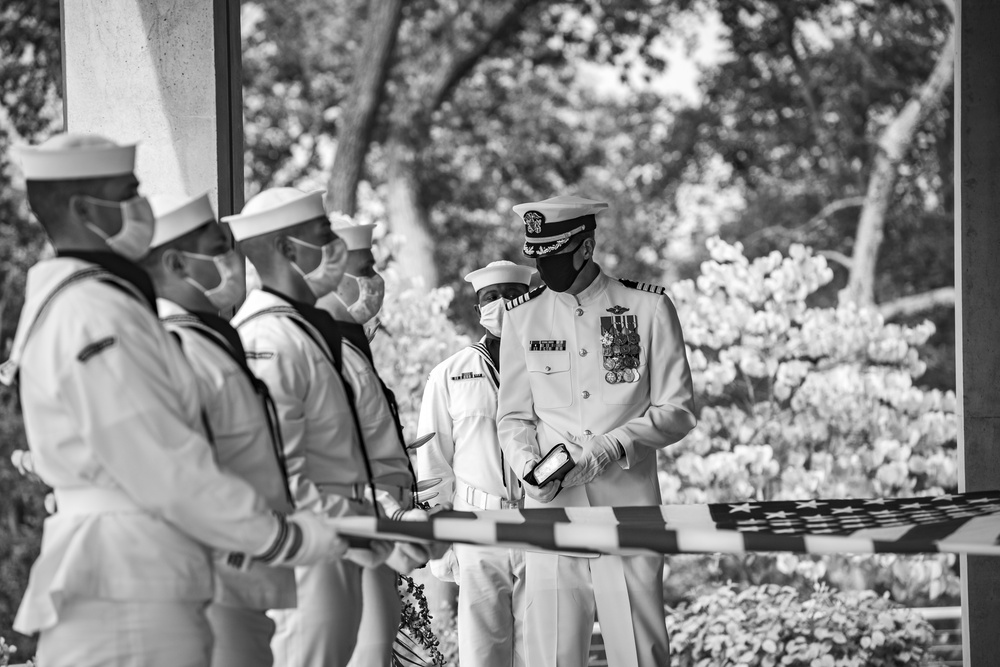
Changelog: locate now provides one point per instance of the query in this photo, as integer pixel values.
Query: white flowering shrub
(804, 402)
(416, 335)
(768, 626)
(801, 402)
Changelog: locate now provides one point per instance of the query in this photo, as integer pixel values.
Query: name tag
(547, 346)
(467, 376)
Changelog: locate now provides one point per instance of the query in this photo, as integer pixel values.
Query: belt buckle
(510, 504)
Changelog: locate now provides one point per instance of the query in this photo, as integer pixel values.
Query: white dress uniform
(391, 473)
(324, 457)
(110, 407)
(245, 445)
(563, 380)
(460, 405)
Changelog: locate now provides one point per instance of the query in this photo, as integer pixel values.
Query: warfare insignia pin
(617, 310)
(533, 222)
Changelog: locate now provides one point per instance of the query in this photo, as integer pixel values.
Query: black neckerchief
(321, 320)
(493, 347)
(120, 267)
(226, 331)
(355, 333)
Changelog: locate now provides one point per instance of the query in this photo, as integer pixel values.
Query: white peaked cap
(498, 272)
(275, 209)
(176, 215)
(560, 209)
(70, 156)
(357, 237)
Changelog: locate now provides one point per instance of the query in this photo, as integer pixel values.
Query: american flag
(959, 523)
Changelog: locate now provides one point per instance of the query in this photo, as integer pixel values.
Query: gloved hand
(374, 555)
(599, 451)
(393, 510)
(408, 556)
(446, 567)
(434, 549)
(542, 494)
(308, 539)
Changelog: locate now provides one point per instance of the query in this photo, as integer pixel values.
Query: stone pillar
(165, 73)
(977, 282)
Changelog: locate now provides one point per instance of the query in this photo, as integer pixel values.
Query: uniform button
(579, 311)
(548, 368)
(586, 394)
(583, 353)
(588, 433)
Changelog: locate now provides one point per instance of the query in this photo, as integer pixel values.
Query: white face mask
(327, 275)
(137, 220)
(491, 316)
(371, 293)
(230, 288)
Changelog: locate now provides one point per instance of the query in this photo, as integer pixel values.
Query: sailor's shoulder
(525, 298)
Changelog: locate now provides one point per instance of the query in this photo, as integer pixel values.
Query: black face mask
(557, 271)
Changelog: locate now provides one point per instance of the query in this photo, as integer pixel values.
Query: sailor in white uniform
(380, 428)
(460, 405)
(298, 351)
(197, 274)
(115, 426)
(598, 364)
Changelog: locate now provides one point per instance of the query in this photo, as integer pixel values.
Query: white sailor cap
(356, 236)
(69, 156)
(499, 272)
(550, 223)
(176, 215)
(275, 209)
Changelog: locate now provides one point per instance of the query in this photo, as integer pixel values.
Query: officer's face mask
(559, 272)
(491, 316)
(327, 275)
(134, 220)
(230, 288)
(371, 293)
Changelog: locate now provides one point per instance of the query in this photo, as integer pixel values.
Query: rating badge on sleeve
(620, 347)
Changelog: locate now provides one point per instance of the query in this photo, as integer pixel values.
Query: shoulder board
(643, 287)
(525, 298)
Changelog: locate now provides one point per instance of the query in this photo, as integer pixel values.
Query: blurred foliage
(799, 401)
(767, 626)
(30, 108)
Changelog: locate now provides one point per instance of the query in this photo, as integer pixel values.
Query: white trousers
(380, 615)
(127, 633)
(242, 636)
(562, 594)
(322, 630)
(490, 606)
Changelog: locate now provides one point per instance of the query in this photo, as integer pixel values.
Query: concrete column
(165, 73)
(977, 282)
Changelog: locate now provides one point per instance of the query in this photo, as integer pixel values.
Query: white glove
(408, 556)
(392, 509)
(305, 538)
(542, 494)
(446, 567)
(372, 556)
(599, 451)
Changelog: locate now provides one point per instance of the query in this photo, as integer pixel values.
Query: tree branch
(892, 148)
(838, 257)
(813, 222)
(916, 304)
(463, 62)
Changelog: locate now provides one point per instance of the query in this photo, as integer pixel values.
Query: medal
(611, 377)
(609, 364)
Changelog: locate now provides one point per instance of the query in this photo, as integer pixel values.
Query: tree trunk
(360, 112)
(892, 148)
(407, 217)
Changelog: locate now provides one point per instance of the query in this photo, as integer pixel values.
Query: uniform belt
(355, 491)
(482, 499)
(93, 500)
